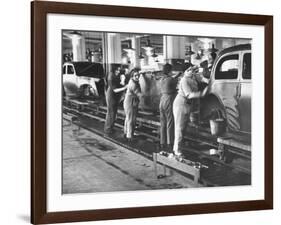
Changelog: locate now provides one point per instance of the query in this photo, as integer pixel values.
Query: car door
(225, 85)
(245, 91)
(70, 80)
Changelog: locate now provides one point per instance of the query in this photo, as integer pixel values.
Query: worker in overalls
(168, 85)
(187, 90)
(113, 95)
(131, 103)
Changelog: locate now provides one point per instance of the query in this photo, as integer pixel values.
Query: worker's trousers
(181, 111)
(112, 101)
(131, 110)
(166, 119)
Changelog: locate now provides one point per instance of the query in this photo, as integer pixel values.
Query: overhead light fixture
(213, 49)
(154, 55)
(198, 56)
(74, 35)
(148, 46)
(129, 49)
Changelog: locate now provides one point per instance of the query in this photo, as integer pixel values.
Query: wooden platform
(185, 166)
(228, 141)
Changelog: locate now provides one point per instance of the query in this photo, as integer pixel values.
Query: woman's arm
(177, 75)
(118, 90)
(198, 94)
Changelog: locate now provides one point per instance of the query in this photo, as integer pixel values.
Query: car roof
(88, 69)
(235, 48)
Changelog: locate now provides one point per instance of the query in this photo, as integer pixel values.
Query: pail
(217, 126)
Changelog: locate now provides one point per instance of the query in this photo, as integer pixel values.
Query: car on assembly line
(230, 88)
(83, 79)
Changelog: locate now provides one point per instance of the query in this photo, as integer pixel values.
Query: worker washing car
(131, 103)
(113, 96)
(168, 85)
(187, 90)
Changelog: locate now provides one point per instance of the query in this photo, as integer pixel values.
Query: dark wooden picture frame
(39, 11)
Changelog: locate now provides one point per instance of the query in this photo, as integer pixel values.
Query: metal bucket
(217, 126)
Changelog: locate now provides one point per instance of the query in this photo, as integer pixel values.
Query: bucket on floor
(217, 126)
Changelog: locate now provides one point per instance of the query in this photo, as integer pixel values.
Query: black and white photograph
(144, 111)
(148, 112)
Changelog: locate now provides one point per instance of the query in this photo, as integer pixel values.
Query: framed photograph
(145, 112)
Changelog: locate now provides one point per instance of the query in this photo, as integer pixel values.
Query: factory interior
(154, 143)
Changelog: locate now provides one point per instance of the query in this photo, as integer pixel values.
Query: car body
(83, 79)
(230, 88)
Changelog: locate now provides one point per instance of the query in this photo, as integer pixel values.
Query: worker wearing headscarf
(168, 90)
(131, 103)
(188, 90)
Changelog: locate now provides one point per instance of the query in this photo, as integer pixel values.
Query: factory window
(227, 68)
(70, 70)
(247, 67)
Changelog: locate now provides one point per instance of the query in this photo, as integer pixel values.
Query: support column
(78, 48)
(174, 48)
(114, 48)
(135, 55)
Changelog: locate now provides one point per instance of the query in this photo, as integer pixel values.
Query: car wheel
(232, 115)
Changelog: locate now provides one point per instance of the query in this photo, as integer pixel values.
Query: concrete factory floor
(94, 164)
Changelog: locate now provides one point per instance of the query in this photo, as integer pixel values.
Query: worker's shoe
(164, 153)
(178, 156)
(129, 140)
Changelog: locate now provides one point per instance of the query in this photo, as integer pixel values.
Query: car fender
(229, 105)
(88, 81)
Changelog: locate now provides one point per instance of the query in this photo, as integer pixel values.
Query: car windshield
(89, 69)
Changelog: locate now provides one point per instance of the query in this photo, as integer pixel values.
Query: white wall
(15, 113)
